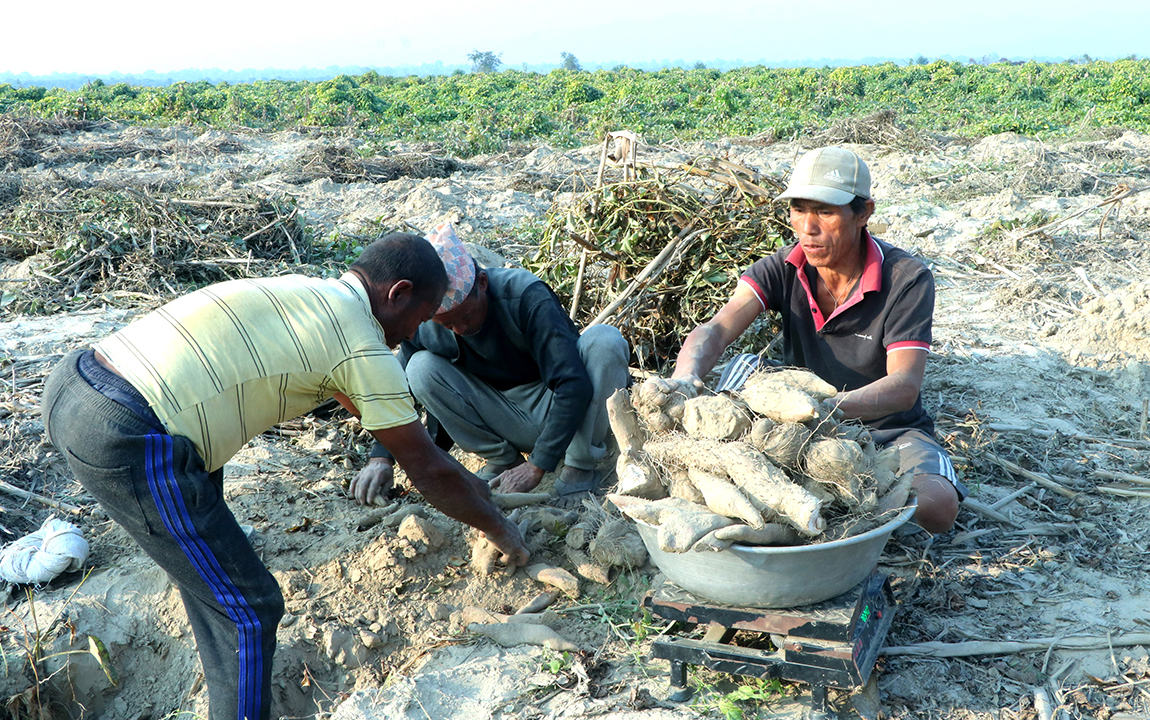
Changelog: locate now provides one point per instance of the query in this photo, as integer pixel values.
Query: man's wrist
(541, 466)
(379, 451)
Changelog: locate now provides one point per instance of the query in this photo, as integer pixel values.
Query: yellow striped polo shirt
(225, 363)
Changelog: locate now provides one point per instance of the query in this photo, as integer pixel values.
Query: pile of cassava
(768, 465)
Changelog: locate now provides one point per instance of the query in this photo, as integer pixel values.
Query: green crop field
(485, 112)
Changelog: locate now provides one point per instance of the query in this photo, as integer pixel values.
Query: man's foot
(491, 470)
(574, 480)
(575, 486)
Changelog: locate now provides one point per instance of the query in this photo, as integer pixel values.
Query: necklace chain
(850, 285)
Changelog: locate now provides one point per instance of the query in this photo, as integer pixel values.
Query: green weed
(1004, 226)
(25, 652)
(714, 693)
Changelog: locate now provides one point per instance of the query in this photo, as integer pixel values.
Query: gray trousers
(499, 425)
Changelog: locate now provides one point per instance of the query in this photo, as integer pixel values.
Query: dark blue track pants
(155, 486)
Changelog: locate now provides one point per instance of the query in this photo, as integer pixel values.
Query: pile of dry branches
(880, 128)
(94, 246)
(341, 164)
(660, 251)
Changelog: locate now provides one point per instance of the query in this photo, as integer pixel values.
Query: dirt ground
(1038, 380)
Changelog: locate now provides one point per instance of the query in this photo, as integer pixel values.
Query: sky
(131, 36)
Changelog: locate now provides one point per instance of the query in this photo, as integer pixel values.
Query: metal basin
(774, 577)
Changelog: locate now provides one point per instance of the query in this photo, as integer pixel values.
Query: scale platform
(829, 644)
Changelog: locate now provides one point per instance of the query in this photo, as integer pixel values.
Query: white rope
(57, 547)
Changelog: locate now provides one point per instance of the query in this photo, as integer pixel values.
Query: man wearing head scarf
(149, 416)
(503, 373)
(855, 310)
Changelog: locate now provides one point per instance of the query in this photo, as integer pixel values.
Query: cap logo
(830, 175)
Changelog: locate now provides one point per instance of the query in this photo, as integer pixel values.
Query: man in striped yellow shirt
(150, 415)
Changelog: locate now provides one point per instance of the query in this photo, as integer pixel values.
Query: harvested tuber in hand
(778, 401)
(715, 416)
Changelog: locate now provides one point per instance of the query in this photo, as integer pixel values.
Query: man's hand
(656, 392)
(521, 478)
(373, 481)
(685, 383)
(829, 408)
(445, 484)
(511, 544)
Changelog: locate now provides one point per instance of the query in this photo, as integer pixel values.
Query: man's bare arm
(705, 344)
(446, 484)
(346, 402)
(449, 487)
(894, 393)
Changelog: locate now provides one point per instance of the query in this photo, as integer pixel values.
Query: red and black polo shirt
(891, 308)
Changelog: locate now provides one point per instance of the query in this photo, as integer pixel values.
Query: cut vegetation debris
(342, 164)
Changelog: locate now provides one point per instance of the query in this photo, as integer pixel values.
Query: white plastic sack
(57, 547)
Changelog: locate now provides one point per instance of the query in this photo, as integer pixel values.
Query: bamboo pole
(1010, 647)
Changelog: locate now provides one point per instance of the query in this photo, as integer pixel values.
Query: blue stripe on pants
(174, 513)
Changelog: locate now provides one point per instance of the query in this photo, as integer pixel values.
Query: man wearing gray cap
(855, 310)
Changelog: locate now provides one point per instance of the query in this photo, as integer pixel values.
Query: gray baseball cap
(831, 175)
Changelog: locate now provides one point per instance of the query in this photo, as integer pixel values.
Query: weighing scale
(833, 643)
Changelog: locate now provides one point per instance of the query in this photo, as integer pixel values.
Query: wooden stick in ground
(587, 240)
(1032, 476)
(21, 493)
(578, 294)
(1009, 647)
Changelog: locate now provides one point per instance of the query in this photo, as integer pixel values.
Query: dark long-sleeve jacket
(526, 338)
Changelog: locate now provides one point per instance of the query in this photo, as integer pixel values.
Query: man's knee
(424, 371)
(603, 344)
(937, 503)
